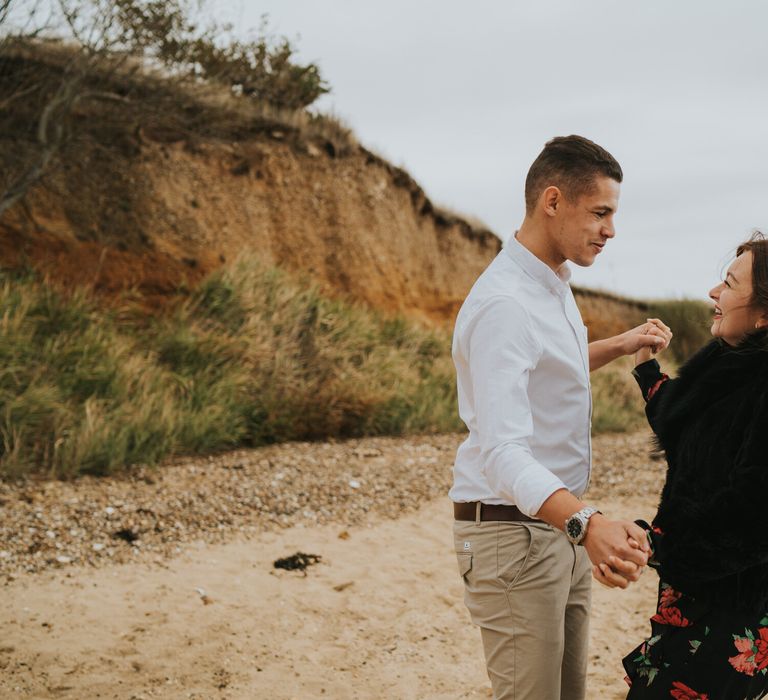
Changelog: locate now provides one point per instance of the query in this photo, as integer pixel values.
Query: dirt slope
(160, 183)
(152, 210)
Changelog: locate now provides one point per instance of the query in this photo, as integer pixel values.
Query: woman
(709, 636)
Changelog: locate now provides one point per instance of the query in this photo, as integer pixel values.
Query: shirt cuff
(647, 375)
(533, 487)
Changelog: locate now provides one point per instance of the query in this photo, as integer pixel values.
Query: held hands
(618, 550)
(645, 340)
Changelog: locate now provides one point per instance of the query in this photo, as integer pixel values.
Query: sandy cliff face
(355, 224)
(151, 212)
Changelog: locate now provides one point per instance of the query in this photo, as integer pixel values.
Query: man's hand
(655, 327)
(648, 338)
(618, 549)
(643, 341)
(609, 576)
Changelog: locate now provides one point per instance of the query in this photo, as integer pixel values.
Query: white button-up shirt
(522, 363)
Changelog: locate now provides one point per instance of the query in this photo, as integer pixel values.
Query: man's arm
(500, 350)
(604, 539)
(653, 333)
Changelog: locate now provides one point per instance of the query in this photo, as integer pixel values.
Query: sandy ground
(380, 617)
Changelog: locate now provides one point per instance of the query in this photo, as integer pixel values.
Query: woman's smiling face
(735, 314)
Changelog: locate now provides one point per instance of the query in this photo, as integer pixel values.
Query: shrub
(252, 357)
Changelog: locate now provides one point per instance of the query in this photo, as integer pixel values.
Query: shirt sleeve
(653, 383)
(646, 375)
(501, 351)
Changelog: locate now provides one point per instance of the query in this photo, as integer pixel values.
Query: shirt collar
(537, 269)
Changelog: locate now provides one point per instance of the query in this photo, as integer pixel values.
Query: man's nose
(609, 230)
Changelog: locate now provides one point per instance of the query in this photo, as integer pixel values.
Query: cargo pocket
(465, 563)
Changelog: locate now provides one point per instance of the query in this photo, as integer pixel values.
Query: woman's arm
(652, 382)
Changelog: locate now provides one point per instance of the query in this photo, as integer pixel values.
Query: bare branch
(51, 133)
(5, 8)
(9, 99)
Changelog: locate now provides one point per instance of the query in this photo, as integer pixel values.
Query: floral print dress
(700, 648)
(699, 651)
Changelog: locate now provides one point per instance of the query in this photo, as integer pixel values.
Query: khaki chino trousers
(528, 589)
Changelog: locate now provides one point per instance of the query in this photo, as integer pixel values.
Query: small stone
(63, 559)
(354, 483)
(97, 546)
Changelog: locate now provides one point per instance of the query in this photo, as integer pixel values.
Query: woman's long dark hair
(757, 340)
(758, 246)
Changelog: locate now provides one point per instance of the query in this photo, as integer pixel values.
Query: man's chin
(584, 260)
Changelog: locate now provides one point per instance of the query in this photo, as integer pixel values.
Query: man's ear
(762, 322)
(551, 200)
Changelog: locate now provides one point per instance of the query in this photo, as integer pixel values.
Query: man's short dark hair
(570, 163)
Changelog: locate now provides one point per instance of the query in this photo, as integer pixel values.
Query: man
(524, 539)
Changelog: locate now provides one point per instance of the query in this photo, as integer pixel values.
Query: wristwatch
(576, 525)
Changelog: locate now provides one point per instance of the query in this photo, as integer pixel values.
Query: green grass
(690, 321)
(251, 358)
(617, 405)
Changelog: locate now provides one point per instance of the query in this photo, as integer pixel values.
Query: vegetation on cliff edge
(251, 357)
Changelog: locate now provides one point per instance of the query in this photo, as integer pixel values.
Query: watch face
(575, 528)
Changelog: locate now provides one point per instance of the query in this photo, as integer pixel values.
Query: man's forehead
(604, 191)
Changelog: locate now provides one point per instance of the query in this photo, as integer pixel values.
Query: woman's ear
(762, 322)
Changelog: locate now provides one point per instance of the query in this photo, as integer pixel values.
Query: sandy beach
(380, 616)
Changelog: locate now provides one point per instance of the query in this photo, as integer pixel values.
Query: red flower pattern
(676, 610)
(761, 657)
(668, 596)
(744, 662)
(680, 691)
(656, 387)
(670, 616)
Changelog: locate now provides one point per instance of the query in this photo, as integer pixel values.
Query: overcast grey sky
(464, 95)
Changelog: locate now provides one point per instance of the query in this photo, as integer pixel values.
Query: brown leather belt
(467, 511)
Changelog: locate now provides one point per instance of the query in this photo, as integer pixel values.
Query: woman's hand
(656, 329)
(618, 573)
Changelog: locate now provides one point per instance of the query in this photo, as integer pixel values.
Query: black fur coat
(712, 424)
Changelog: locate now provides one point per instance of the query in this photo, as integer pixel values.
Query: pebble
(240, 494)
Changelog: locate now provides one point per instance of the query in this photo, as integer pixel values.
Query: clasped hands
(646, 340)
(618, 550)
